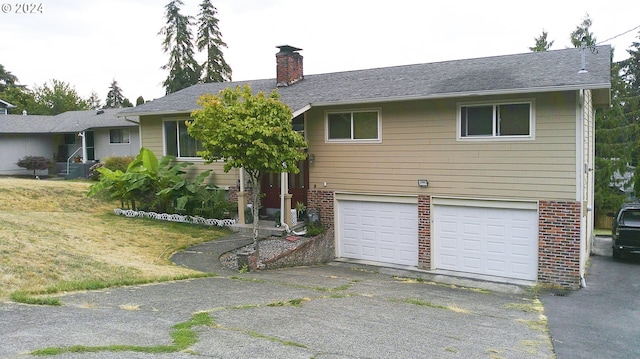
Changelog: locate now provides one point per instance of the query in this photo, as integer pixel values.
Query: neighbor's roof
(531, 72)
(70, 121)
(5, 104)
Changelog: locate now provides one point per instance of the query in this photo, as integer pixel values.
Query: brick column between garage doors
(559, 243)
(424, 232)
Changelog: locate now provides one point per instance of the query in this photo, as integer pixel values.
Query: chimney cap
(288, 48)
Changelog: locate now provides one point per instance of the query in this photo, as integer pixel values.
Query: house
(4, 107)
(479, 167)
(71, 137)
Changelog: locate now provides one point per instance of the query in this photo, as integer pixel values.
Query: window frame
(494, 136)
(177, 121)
(122, 132)
(378, 139)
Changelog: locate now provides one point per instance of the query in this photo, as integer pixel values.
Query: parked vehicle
(626, 231)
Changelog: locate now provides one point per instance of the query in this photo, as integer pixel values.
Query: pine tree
(184, 70)
(94, 101)
(541, 43)
(115, 99)
(215, 68)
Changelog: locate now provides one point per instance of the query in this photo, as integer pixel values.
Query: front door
(298, 185)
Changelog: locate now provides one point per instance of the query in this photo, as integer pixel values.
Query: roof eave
(154, 113)
(604, 86)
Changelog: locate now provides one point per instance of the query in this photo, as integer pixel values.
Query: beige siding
(419, 141)
(152, 138)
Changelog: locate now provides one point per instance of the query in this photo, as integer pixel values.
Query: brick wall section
(559, 243)
(424, 232)
(323, 201)
(320, 249)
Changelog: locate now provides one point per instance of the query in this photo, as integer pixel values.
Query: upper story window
(496, 120)
(178, 142)
(357, 126)
(119, 135)
(298, 124)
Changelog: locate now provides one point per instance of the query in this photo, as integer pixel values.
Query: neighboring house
(4, 107)
(73, 136)
(479, 167)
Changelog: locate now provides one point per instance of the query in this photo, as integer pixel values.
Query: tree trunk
(255, 209)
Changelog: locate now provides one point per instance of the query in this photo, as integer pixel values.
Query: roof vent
(100, 112)
(24, 112)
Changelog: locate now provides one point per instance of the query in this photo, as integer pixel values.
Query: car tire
(616, 253)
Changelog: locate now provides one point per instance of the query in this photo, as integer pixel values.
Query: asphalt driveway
(332, 311)
(603, 319)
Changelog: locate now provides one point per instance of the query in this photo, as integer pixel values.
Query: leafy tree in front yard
(249, 132)
(34, 163)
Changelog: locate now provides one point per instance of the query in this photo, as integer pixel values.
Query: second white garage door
(488, 241)
(378, 231)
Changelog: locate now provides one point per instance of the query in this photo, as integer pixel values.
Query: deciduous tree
(250, 132)
(58, 97)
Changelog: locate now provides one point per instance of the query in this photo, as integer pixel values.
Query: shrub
(34, 163)
(94, 174)
(118, 163)
(314, 229)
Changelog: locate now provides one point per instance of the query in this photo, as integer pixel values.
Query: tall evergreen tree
(139, 100)
(631, 103)
(94, 101)
(215, 68)
(541, 43)
(115, 99)
(7, 79)
(184, 70)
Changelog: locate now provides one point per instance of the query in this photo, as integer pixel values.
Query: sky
(88, 44)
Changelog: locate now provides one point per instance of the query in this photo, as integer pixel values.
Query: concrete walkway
(204, 257)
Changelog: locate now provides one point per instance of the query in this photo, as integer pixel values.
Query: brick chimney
(288, 66)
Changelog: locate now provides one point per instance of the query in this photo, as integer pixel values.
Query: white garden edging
(175, 217)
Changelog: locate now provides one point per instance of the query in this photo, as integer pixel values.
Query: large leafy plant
(160, 185)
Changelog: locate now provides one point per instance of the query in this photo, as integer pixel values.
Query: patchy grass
(183, 337)
(424, 303)
(53, 239)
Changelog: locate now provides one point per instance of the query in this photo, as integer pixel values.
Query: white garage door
(489, 241)
(378, 231)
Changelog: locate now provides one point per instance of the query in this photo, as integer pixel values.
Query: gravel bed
(269, 248)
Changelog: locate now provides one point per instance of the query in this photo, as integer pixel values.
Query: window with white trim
(178, 142)
(353, 126)
(496, 120)
(118, 135)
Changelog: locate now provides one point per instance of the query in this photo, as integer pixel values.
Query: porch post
(84, 146)
(287, 211)
(284, 186)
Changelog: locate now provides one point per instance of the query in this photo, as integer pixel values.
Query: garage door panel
(490, 241)
(384, 232)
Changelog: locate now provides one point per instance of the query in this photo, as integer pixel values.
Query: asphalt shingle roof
(70, 121)
(523, 73)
